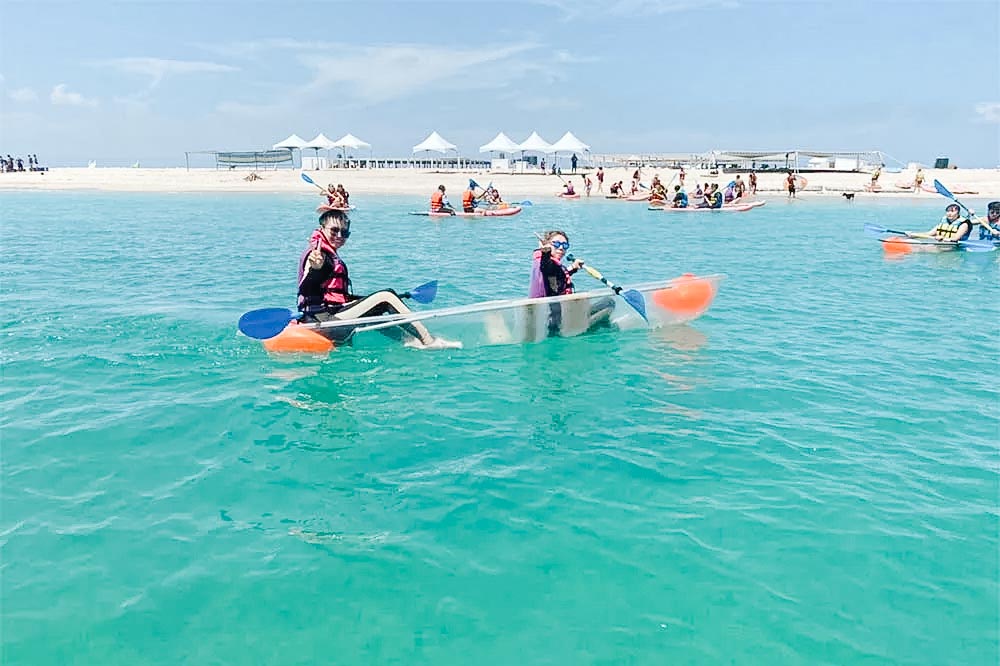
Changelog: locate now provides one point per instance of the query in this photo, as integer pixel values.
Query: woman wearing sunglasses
(324, 285)
(549, 277)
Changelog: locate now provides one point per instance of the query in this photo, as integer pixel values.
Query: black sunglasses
(339, 231)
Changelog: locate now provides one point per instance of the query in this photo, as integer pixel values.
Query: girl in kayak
(951, 228)
(549, 277)
(568, 189)
(324, 286)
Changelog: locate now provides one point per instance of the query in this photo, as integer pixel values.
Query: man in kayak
(951, 227)
(989, 229)
(469, 199)
(324, 287)
(440, 203)
(568, 189)
(680, 197)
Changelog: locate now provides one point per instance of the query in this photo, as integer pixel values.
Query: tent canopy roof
(569, 144)
(350, 141)
(501, 144)
(434, 142)
(536, 144)
(320, 141)
(293, 141)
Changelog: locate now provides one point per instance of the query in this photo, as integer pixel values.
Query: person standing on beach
(572, 162)
(587, 183)
(918, 180)
(681, 176)
(790, 184)
(600, 179)
(543, 165)
(753, 182)
(875, 176)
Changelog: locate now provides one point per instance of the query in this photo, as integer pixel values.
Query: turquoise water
(806, 475)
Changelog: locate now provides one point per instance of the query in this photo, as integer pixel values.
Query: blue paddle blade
(942, 190)
(425, 293)
(308, 179)
(635, 299)
(265, 323)
(473, 184)
(526, 203)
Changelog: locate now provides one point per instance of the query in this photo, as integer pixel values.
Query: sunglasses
(338, 231)
(560, 245)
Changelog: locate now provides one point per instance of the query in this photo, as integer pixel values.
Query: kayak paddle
(943, 191)
(268, 322)
(311, 181)
(876, 230)
(632, 297)
(982, 245)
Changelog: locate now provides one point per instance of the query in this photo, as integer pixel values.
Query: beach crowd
(11, 164)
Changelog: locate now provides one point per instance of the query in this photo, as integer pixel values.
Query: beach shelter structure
(535, 144)
(568, 143)
(351, 142)
(500, 144)
(319, 142)
(435, 142)
(293, 142)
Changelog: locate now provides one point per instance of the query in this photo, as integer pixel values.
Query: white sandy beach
(977, 183)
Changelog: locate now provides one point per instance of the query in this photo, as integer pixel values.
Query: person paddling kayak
(325, 286)
(549, 277)
(951, 227)
(469, 198)
(440, 203)
(989, 229)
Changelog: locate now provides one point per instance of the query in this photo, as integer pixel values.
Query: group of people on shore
(12, 164)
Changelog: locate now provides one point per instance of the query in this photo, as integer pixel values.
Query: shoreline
(976, 183)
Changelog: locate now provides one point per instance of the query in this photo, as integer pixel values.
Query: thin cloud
(988, 111)
(382, 73)
(61, 96)
(23, 95)
(157, 69)
(600, 9)
(259, 47)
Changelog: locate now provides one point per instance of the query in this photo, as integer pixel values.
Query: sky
(127, 81)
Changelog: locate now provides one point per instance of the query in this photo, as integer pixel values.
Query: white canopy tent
(351, 141)
(436, 143)
(318, 143)
(500, 144)
(293, 142)
(534, 144)
(568, 143)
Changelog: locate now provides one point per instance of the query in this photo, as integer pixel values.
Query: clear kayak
(905, 245)
(520, 320)
(488, 212)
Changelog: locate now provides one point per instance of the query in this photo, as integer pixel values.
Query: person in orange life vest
(325, 285)
(469, 199)
(440, 203)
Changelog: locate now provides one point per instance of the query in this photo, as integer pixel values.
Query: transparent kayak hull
(518, 321)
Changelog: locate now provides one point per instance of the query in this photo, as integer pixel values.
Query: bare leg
(385, 302)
